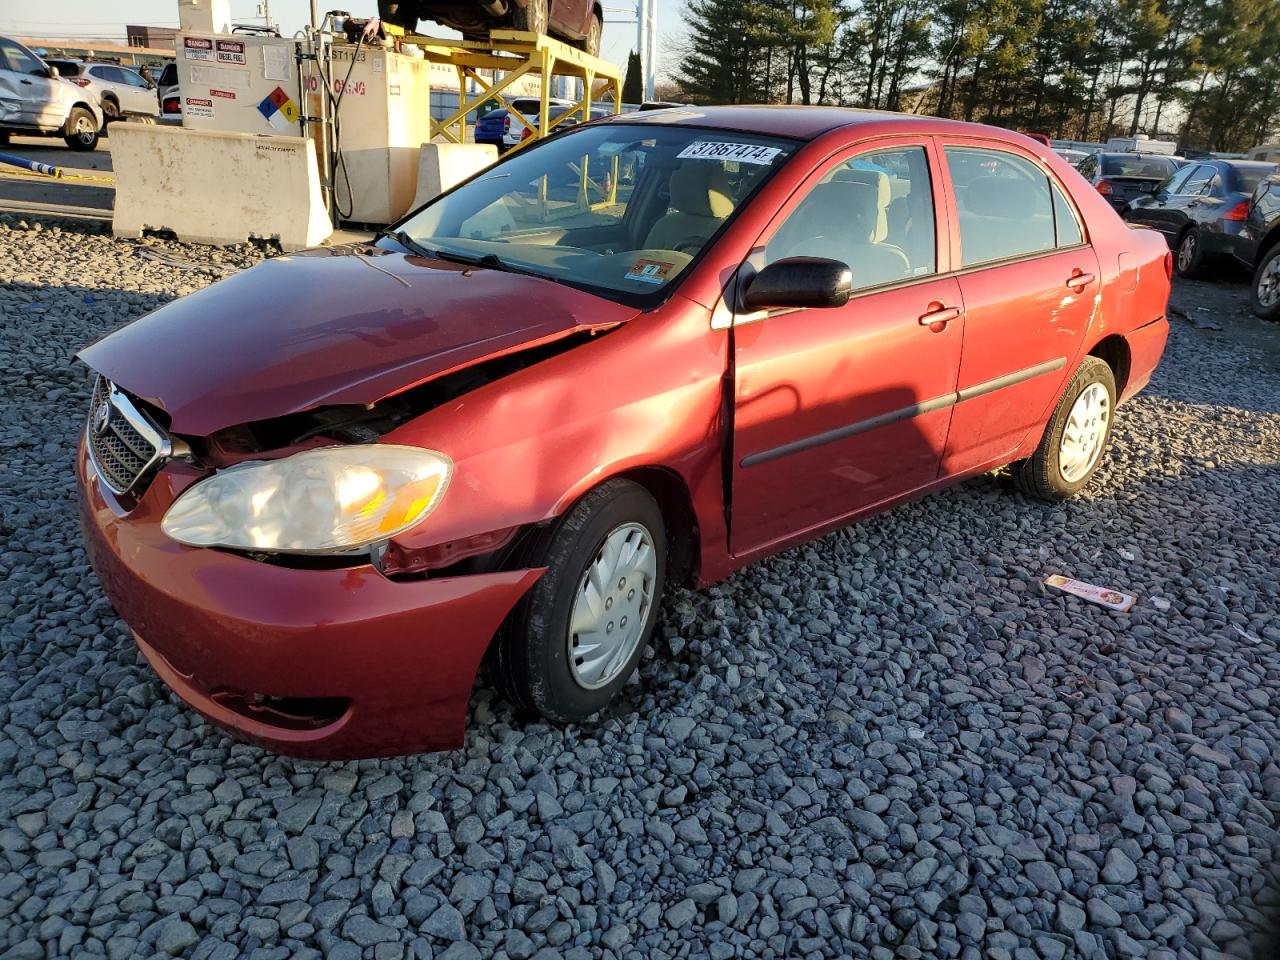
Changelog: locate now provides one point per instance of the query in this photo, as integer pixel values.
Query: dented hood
(348, 324)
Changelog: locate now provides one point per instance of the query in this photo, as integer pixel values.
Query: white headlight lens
(328, 500)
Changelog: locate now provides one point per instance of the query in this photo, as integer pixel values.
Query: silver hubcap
(1269, 283)
(84, 128)
(614, 600)
(1186, 251)
(1084, 433)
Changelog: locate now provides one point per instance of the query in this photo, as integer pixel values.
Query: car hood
(340, 325)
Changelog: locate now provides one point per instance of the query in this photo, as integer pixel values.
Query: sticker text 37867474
(721, 150)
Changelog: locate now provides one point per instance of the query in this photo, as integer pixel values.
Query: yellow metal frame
(517, 53)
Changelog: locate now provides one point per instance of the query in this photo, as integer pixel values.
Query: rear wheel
(591, 42)
(1076, 437)
(1189, 258)
(82, 130)
(110, 111)
(1264, 295)
(573, 641)
(532, 16)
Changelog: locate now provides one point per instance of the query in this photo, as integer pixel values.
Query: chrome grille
(123, 444)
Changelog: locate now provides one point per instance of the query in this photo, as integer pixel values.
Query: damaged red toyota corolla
(647, 351)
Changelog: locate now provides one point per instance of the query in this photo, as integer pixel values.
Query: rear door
(1028, 280)
(1176, 213)
(837, 410)
(1154, 210)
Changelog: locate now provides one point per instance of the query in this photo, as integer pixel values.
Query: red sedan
(650, 350)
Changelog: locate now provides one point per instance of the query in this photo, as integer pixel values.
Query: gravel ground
(891, 743)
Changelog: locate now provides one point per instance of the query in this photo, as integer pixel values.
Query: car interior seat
(878, 182)
(701, 199)
(836, 220)
(1006, 216)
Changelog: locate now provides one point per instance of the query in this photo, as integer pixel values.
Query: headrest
(1010, 197)
(842, 208)
(881, 192)
(701, 188)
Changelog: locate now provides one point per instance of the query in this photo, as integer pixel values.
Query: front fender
(647, 394)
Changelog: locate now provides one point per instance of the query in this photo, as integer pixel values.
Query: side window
(1066, 226)
(18, 60)
(1005, 205)
(1174, 184)
(874, 213)
(1199, 180)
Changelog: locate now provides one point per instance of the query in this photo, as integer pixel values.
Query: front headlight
(327, 500)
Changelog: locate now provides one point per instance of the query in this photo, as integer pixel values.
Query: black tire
(84, 121)
(402, 15)
(529, 659)
(590, 44)
(534, 16)
(4, 138)
(110, 112)
(1040, 475)
(1264, 291)
(1188, 255)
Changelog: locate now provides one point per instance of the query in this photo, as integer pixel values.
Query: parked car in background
(1123, 177)
(167, 93)
(36, 101)
(782, 320)
(1259, 246)
(658, 105)
(120, 92)
(580, 22)
(1202, 210)
(1072, 156)
(504, 131)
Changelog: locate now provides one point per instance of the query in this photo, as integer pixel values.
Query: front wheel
(1075, 438)
(573, 641)
(1264, 295)
(82, 130)
(1190, 256)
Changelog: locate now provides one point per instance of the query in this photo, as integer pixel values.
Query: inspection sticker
(232, 51)
(719, 150)
(197, 48)
(649, 271)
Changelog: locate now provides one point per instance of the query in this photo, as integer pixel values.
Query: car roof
(800, 122)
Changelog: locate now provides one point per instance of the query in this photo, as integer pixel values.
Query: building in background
(156, 37)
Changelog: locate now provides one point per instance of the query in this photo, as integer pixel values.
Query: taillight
(171, 105)
(527, 134)
(79, 81)
(506, 124)
(1168, 265)
(1240, 212)
(1104, 187)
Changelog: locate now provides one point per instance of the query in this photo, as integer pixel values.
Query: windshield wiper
(406, 241)
(490, 261)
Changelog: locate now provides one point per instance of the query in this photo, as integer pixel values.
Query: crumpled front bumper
(326, 664)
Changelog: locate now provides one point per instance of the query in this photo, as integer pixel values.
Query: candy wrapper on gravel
(1103, 596)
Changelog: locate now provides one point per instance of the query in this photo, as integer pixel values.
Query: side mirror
(53, 73)
(800, 282)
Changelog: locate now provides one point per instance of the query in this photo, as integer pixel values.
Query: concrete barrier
(442, 165)
(217, 188)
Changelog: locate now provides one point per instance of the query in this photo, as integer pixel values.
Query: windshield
(1249, 177)
(618, 209)
(1154, 168)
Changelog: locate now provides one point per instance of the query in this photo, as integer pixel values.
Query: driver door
(26, 89)
(839, 410)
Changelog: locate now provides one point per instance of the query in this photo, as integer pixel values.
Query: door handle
(939, 315)
(25, 83)
(1079, 280)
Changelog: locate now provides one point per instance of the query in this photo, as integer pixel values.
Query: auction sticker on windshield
(720, 150)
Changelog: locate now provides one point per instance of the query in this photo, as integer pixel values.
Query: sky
(98, 20)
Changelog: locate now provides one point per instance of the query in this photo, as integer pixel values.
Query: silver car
(121, 92)
(35, 101)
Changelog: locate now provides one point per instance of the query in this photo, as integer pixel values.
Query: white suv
(121, 92)
(34, 100)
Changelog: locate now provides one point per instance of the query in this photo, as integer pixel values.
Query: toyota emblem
(102, 418)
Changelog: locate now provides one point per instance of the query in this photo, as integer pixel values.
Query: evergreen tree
(633, 84)
(721, 63)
